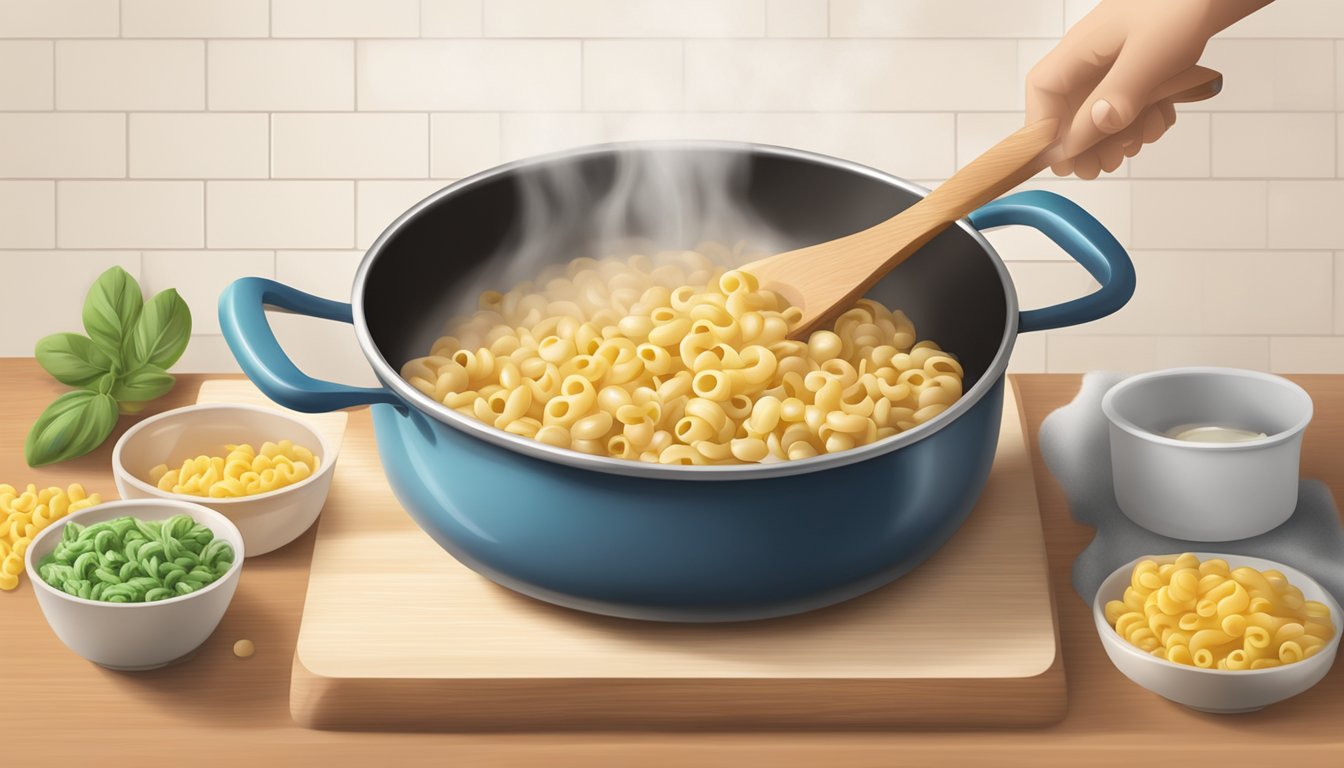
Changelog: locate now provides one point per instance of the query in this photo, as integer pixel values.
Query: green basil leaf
(111, 309)
(73, 359)
(162, 331)
(75, 424)
(147, 382)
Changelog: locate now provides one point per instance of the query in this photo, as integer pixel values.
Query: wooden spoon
(825, 279)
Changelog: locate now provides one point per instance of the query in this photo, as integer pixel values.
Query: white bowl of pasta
(266, 471)
(95, 577)
(1250, 633)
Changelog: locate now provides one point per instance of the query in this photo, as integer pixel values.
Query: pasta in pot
(671, 359)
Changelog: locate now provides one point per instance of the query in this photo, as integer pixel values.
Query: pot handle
(1082, 237)
(242, 318)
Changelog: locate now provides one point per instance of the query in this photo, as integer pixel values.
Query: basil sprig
(118, 367)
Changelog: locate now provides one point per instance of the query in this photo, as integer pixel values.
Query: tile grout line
(354, 74)
(55, 216)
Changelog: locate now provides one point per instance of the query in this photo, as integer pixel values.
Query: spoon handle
(825, 278)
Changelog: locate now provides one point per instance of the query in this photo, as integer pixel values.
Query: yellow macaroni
(24, 515)
(1207, 615)
(242, 472)
(625, 358)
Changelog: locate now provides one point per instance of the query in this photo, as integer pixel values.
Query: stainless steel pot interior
(956, 289)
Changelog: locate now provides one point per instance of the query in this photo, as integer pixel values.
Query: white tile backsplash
(195, 141)
(633, 75)
(60, 18)
(200, 276)
(1306, 214)
(55, 145)
(450, 18)
(27, 75)
(76, 270)
(462, 143)
(129, 214)
(1274, 144)
(1200, 214)
(130, 74)
(797, 18)
(381, 202)
(624, 18)
(195, 18)
(345, 18)
(281, 75)
(939, 18)
(27, 214)
(199, 145)
(1270, 75)
(306, 145)
(280, 214)
(838, 75)
(469, 75)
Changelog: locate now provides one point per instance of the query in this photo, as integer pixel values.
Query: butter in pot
(1213, 433)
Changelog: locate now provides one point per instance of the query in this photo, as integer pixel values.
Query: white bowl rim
(1114, 417)
(1331, 647)
(327, 458)
(58, 526)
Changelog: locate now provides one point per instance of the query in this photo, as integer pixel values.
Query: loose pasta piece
(24, 515)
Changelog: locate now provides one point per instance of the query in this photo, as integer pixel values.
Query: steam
(660, 196)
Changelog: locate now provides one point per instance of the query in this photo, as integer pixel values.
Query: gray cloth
(1075, 443)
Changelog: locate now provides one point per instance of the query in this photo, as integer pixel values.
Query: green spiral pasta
(127, 560)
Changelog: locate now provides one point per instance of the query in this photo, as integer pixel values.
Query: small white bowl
(1216, 690)
(268, 520)
(136, 636)
(1206, 491)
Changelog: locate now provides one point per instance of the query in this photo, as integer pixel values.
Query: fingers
(1124, 93)
(1109, 154)
(1070, 71)
(1087, 165)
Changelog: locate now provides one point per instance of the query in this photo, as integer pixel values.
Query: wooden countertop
(219, 710)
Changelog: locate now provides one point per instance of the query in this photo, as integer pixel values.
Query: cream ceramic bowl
(267, 521)
(136, 636)
(1213, 690)
(1206, 491)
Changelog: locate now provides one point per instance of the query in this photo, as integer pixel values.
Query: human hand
(1103, 81)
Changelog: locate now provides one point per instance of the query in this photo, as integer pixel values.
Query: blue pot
(678, 543)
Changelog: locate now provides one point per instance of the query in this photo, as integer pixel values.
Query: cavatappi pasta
(1212, 616)
(243, 471)
(128, 560)
(24, 515)
(671, 359)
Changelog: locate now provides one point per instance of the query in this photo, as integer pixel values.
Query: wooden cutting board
(396, 634)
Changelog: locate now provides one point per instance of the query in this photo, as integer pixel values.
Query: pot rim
(391, 379)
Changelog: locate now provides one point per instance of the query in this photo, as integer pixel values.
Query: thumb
(1118, 100)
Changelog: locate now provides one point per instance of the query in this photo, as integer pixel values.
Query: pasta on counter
(1212, 616)
(244, 471)
(671, 359)
(24, 515)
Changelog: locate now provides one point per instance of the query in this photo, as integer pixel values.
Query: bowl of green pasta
(134, 585)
